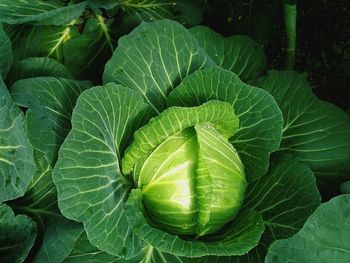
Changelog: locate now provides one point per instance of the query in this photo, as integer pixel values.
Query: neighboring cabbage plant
(176, 158)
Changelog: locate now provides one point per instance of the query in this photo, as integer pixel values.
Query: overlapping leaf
(39, 41)
(17, 235)
(53, 12)
(5, 53)
(260, 118)
(83, 251)
(40, 198)
(154, 58)
(86, 54)
(324, 237)
(91, 188)
(59, 241)
(184, 12)
(316, 131)
(37, 67)
(239, 54)
(285, 197)
(17, 165)
(50, 101)
(188, 13)
(82, 52)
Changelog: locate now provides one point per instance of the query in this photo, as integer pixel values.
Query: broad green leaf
(154, 58)
(50, 102)
(285, 197)
(174, 120)
(59, 241)
(17, 165)
(239, 54)
(40, 41)
(324, 237)
(86, 54)
(260, 119)
(83, 251)
(53, 12)
(91, 188)
(40, 199)
(314, 130)
(237, 238)
(188, 13)
(83, 53)
(37, 67)
(17, 235)
(5, 53)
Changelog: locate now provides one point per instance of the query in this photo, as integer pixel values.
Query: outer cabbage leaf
(39, 41)
(50, 102)
(285, 197)
(237, 238)
(83, 251)
(37, 67)
(52, 12)
(188, 13)
(83, 53)
(91, 188)
(86, 54)
(316, 131)
(239, 54)
(260, 128)
(59, 240)
(5, 53)
(17, 165)
(17, 235)
(154, 58)
(324, 237)
(40, 198)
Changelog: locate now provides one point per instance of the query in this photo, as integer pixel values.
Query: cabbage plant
(192, 150)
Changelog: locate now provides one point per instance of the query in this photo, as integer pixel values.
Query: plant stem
(290, 15)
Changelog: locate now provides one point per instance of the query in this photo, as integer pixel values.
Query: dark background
(323, 38)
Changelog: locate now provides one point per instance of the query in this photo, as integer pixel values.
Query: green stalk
(290, 23)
